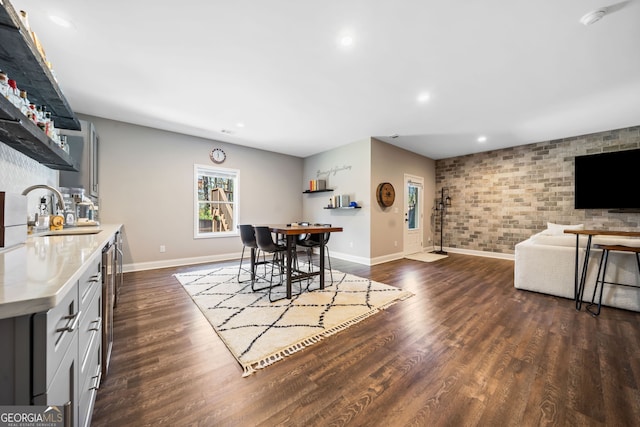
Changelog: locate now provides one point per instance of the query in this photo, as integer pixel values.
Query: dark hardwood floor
(468, 349)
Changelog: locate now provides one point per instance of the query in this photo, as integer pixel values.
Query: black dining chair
(248, 238)
(312, 241)
(265, 243)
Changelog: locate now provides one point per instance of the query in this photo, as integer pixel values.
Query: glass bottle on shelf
(4, 84)
(14, 93)
(24, 102)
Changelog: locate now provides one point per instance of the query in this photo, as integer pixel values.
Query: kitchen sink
(71, 232)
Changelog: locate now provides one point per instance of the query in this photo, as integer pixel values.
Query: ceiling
(275, 75)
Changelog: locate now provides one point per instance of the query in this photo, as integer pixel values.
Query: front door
(413, 216)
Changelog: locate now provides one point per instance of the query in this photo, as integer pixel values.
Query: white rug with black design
(259, 333)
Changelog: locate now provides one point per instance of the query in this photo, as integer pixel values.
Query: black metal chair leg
(602, 267)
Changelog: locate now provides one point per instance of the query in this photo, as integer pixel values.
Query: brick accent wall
(502, 197)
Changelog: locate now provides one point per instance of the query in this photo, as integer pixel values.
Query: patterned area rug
(259, 333)
(425, 256)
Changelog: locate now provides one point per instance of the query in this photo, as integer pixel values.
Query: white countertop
(35, 276)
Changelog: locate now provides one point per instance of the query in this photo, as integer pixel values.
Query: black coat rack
(441, 207)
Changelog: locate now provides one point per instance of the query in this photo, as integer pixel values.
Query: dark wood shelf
(317, 191)
(22, 62)
(21, 134)
(20, 59)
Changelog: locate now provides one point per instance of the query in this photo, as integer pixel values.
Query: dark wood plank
(467, 349)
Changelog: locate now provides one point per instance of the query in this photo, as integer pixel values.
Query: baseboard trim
(153, 265)
(481, 253)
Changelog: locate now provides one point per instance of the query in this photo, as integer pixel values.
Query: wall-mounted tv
(608, 181)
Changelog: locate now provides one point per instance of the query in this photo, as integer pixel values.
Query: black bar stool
(602, 268)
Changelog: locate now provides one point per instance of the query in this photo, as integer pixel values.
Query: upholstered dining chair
(312, 241)
(265, 243)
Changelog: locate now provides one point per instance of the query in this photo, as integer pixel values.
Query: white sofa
(546, 263)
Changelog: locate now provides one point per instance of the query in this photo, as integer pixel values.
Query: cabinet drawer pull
(98, 378)
(98, 322)
(96, 278)
(74, 324)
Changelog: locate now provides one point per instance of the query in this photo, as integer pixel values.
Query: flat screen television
(608, 181)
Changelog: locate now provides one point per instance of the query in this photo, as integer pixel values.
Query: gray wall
(146, 182)
(389, 164)
(347, 170)
(502, 197)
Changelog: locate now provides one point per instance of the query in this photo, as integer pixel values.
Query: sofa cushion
(557, 240)
(558, 229)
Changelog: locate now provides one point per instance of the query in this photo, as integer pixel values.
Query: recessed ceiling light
(60, 21)
(240, 124)
(346, 41)
(482, 139)
(593, 16)
(424, 97)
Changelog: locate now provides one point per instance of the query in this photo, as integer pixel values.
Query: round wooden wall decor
(385, 194)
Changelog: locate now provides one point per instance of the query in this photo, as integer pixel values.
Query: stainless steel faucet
(50, 188)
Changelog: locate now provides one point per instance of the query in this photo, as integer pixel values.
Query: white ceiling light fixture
(345, 39)
(240, 124)
(424, 97)
(482, 139)
(593, 16)
(60, 21)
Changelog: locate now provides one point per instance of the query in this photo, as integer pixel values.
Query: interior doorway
(413, 214)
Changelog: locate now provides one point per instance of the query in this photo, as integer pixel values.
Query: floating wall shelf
(316, 191)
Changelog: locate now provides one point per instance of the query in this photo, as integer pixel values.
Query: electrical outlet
(162, 249)
(350, 244)
(395, 243)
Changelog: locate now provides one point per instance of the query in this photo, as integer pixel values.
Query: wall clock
(217, 155)
(385, 194)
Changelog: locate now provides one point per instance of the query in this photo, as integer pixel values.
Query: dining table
(291, 232)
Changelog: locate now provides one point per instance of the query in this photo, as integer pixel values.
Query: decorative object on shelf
(385, 194)
(217, 155)
(341, 201)
(317, 185)
(332, 204)
(441, 207)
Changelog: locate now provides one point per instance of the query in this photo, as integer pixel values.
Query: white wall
(146, 183)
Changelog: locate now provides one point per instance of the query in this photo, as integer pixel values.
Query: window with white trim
(216, 201)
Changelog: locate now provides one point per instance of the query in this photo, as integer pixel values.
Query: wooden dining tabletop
(292, 230)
